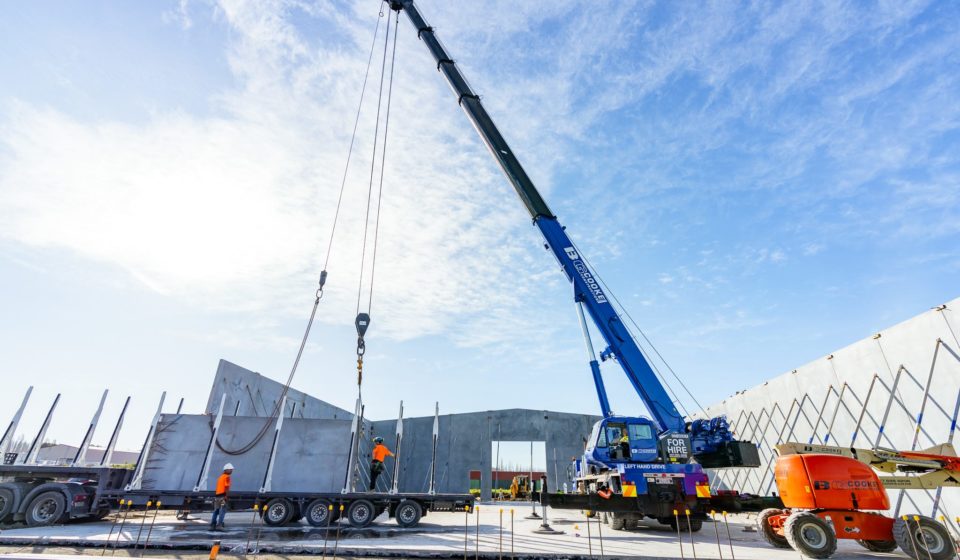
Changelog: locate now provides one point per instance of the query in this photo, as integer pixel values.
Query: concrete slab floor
(439, 535)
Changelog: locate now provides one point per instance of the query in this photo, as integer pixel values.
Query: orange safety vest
(380, 452)
(223, 484)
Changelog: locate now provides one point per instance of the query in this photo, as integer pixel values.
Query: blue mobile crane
(633, 466)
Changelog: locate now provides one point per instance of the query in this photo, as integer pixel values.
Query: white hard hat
(228, 467)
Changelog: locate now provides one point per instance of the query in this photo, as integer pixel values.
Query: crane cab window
(616, 438)
(640, 432)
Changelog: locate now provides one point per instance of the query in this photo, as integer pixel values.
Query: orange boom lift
(833, 493)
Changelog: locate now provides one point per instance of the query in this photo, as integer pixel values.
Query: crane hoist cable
(362, 321)
(323, 274)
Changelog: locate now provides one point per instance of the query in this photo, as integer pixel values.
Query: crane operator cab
(620, 439)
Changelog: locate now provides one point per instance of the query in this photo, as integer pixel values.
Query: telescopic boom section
(587, 289)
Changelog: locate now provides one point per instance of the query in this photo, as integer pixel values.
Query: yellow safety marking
(703, 491)
(629, 490)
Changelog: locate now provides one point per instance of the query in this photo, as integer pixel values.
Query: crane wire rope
(363, 318)
(323, 274)
(626, 313)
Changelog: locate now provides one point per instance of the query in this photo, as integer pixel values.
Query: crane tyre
(319, 513)
(878, 546)
(617, 522)
(361, 513)
(7, 504)
(46, 508)
(768, 532)
(809, 535)
(923, 539)
(408, 513)
(278, 512)
(695, 524)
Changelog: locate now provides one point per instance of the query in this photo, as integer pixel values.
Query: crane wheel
(617, 522)
(923, 539)
(809, 535)
(878, 546)
(694, 526)
(767, 529)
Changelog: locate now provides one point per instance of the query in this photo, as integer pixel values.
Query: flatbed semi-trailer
(46, 495)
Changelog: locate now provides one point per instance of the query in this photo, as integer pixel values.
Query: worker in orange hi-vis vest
(380, 453)
(220, 498)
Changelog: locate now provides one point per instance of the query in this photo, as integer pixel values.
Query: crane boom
(587, 289)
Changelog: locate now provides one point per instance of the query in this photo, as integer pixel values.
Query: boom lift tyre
(769, 532)
(46, 508)
(878, 546)
(809, 535)
(923, 538)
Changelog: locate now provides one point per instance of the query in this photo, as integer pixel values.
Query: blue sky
(759, 184)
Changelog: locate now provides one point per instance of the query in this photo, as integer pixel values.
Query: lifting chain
(362, 322)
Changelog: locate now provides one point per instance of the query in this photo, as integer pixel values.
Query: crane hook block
(363, 321)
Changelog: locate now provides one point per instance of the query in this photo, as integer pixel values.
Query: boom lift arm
(931, 468)
(707, 436)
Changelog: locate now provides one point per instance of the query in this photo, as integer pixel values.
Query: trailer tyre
(361, 513)
(878, 546)
(408, 514)
(7, 504)
(768, 531)
(923, 539)
(809, 535)
(319, 513)
(277, 512)
(47, 508)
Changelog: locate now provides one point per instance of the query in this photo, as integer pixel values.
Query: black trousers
(376, 467)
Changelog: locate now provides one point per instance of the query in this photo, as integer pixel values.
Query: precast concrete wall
(465, 443)
(311, 453)
(898, 389)
(257, 395)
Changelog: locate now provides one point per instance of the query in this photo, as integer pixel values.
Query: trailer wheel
(277, 512)
(7, 504)
(47, 508)
(361, 513)
(809, 535)
(767, 529)
(408, 514)
(923, 539)
(878, 546)
(319, 513)
(297, 514)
